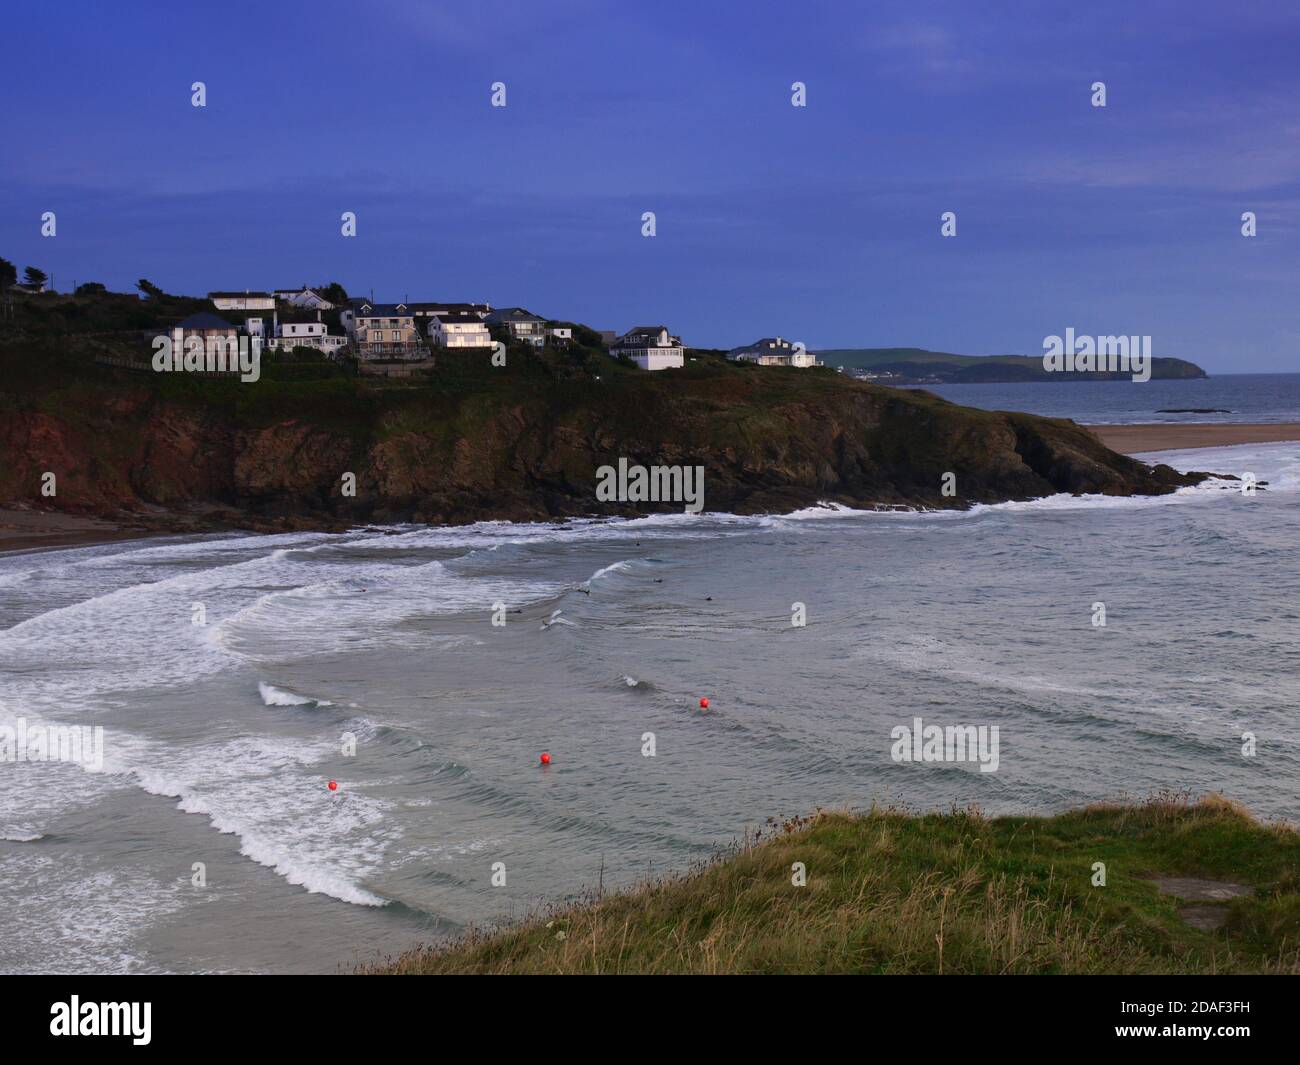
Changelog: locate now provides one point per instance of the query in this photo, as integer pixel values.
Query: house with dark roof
(651, 347)
(520, 324)
(425, 311)
(773, 351)
(382, 330)
(214, 339)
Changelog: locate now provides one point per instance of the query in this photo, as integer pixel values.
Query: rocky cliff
(520, 443)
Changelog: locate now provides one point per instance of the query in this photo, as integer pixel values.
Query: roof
(513, 314)
(238, 295)
(204, 320)
(766, 346)
(442, 308)
(459, 317)
(382, 310)
(648, 329)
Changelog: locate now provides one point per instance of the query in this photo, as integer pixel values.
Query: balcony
(391, 350)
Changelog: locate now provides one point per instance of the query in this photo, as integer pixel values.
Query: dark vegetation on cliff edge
(1189, 888)
(470, 441)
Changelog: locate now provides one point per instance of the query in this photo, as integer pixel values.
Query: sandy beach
(1136, 439)
(22, 529)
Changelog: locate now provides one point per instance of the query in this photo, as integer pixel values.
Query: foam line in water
(273, 696)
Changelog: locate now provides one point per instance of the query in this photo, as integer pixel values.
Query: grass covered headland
(1190, 887)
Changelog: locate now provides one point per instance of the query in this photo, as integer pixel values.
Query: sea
(1224, 398)
(321, 749)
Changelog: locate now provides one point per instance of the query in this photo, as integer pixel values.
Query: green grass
(890, 892)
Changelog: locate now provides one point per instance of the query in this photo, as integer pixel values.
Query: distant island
(916, 366)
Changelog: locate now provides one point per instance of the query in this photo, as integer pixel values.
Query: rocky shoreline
(219, 455)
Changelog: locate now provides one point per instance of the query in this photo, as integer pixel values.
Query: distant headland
(362, 412)
(917, 366)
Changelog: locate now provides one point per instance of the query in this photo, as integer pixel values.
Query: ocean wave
(273, 696)
(265, 790)
(613, 567)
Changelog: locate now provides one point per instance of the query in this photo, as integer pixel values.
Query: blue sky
(819, 224)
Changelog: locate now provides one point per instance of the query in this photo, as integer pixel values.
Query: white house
(242, 301)
(651, 347)
(773, 351)
(301, 331)
(426, 311)
(304, 297)
(459, 329)
(561, 336)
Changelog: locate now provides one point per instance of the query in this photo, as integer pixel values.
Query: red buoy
(334, 785)
(704, 704)
(546, 758)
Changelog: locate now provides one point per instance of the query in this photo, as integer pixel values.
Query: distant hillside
(471, 441)
(918, 366)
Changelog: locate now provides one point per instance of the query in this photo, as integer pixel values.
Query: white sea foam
(613, 567)
(556, 619)
(68, 914)
(378, 605)
(273, 696)
(265, 790)
(119, 622)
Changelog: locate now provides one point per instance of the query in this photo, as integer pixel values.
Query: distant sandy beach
(22, 530)
(1136, 439)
